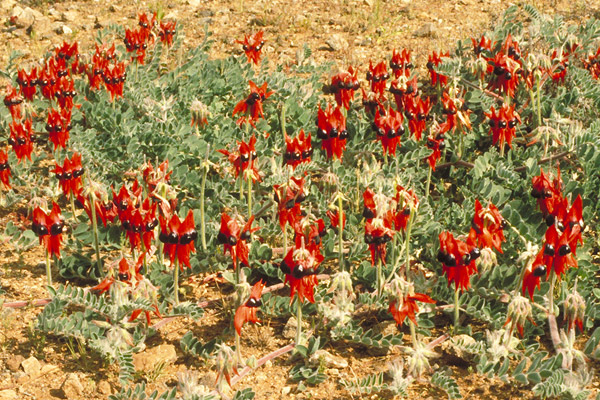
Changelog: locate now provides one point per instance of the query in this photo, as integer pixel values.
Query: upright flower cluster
(244, 159)
(252, 46)
(252, 106)
(343, 85)
(298, 150)
(389, 128)
(331, 129)
(49, 227)
(503, 124)
(235, 239)
(69, 176)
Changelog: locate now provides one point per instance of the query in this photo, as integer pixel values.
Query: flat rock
(427, 30)
(63, 30)
(336, 42)
(13, 362)
(48, 369)
(326, 359)
(32, 367)
(147, 360)
(71, 387)
(70, 16)
(8, 394)
(104, 388)
(6, 5)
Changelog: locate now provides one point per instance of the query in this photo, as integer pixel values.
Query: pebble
(32, 367)
(427, 30)
(148, 360)
(14, 362)
(63, 30)
(104, 388)
(326, 359)
(336, 42)
(72, 387)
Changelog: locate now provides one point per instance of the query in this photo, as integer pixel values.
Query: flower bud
(519, 311)
(200, 113)
(574, 308)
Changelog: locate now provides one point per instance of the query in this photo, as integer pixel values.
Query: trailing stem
(379, 279)
(202, 190)
(340, 231)
(48, 268)
(428, 184)
(408, 230)
(176, 281)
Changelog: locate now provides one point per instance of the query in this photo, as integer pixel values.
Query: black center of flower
(564, 250)
(188, 237)
(549, 250)
(56, 228)
(540, 270)
(285, 268)
(253, 303)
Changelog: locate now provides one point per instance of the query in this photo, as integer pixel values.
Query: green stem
(250, 193)
(502, 149)
(48, 268)
(408, 231)
(456, 309)
(238, 349)
(340, 231)
(298, 320)
(176, 281)
(428, 183)
(95, 229)
(202, 190)
(282, 122)
(144, 261)
(379, 279)
(413, 333)
(72, 201)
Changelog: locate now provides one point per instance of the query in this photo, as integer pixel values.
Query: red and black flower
(58, 126)
(167, 32)
(331, 129)
(21, 139)
(402, 91)
(484, 44)
(252, 45)
(235, 240)
(5, 172)
(244, 158)
(400, 63)
(247, 311)
(13, 102)
(300, 268)
(288, 198)
(27, 83)
(378, 77)
(49, 228)
(297, 150)
(389, 128)
(252, 106)
(114, 79)
(135, 43)
(407, 307)
(417, 112)
(69, 175)
(503, 70)
(178, 237)
(433, 61)
(487, 227)
(458, 259)
(503, 125)
(343, 85)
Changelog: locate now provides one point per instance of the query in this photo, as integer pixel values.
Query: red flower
(114, 79)
(234, 239)
(417, 112)
(247, 311)
(49, 228)
(309, 231)
(65, 91)
(546, 192)
(378, 77)
(334, 218)
(297, 150)
(453, 108)
(486, 227)
(99, 65)
(178, 237)
(503, 125)
(58, 126)
(139, 223)
(559, 249)
(558, 71)
(146, 23)
(511, 47)
(483, 44)
(400, 63)
(13, 102)
(104, 212)
(408, 307)
(125, 200)
(67, 51)
(252, 106)
(153, 177)
(406, 199)
(436, 146)
(4, 170)
(69, 175)
(20, 139)
(433, 61)
(458, 259)
(389, 128)
(331, 129)
(531, 278)
(27, 83)
(403, 92)
(288, 198)
(167, 32)
(504, 73)
(378, 233)
(252, 45)
(245, 158)
(47, 79)
(135, 42)
(343, 86)
(372, 102)
(300, 269)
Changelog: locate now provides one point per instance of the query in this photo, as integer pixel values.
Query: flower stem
(379, 279)
(408, 230)
(144, 261)
(456, 310)
(48, 268)
(413, 333)
(340, 231)
(95, 229)
(176, 281)
(250, 193)
(202, 190)
(298, 320)
(501, 148)
(72, 201)
(428, 184)
(552, 326)
(238, 349)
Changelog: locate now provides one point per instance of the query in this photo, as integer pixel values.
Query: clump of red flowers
(487, 227)
(389, 128)
(58, 126)
(69, 175)
(378, 77)
(5, 172)
(252, 46)
(235, 240)
(244, 158)
(252, 106)
(331, 129)
(167, 32)
(21, 139)
(400, 63)
(298, 150)
(300, 268)
(49, 227)
(458, 260)
(247, 311)
(178, 237)
(433, 61)
(503, 124)
(343, 85)
(417, 112)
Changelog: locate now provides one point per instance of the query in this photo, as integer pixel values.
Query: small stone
(286, 390)
(71, 387)
(104, 388)
(149, 359)
(24, 17)
(63, 30)
(289, 330)
(48, 369)
(32, 367)
(336, 42)
(427, 30)
(209, 379)
(14, 362)
(8, 394)
(54, 13)
(326, 359)
(194, 3)
(69, 16)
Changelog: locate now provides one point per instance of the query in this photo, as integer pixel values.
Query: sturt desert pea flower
(400, 63)
(436, 145)
(67, 52)
(433, 61)
(252, 46)
(178, 237)
(504, 74)
(5, 172)
(252, 106)
(126, 273)
(114, 79)
(135, 43)
(406, 200)
(244, 158)
(402, 89)
(104, 209)
(247, 311)
(65, 91)
(69, 175)
(592, 64)
(58, 126)
(331, 129)
(574, 310)
(417, 112)
(503, 124)
(558, 71)
(546, 192)
(458, 259)
(309, 230)
(484, 44)
(13, 102)
(47, 79)
(235, 240)
(378, 77)
(125, 198)
(487, 227)
(343, 85)
(453, 107)
(133, 224)
(389, 128)
(100, 60)
(298, 149)
(371, 102)
(146, 22)
(167, 32)
(300, 268)
(379, 212)
(334, 219)
(200, 113)
(60, 66)
(154, 177)
(21, 139)
(288, 197)
(519, 311)
(403, 302)
(49, 228)
(27, 83)
(511, 48)
(532, 276)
